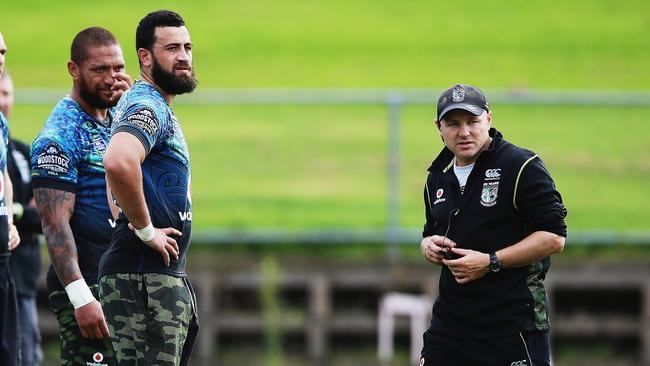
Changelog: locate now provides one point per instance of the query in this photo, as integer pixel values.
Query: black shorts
(9, 334)
(520, 349)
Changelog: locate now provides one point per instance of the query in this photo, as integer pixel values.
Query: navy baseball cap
(461, 96)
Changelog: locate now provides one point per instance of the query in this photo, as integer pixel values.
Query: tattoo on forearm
(55, 208)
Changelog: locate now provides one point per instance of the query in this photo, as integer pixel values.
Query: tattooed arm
(55, 208)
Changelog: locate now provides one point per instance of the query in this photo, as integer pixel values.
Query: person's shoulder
(141, 98)
(514, 154)
(143, 94)
(66, 115)
(61, 128)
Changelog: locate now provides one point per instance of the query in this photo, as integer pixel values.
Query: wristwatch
(495, 263)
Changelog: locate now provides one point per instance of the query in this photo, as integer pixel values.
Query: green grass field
(574, 44)
(324, 166)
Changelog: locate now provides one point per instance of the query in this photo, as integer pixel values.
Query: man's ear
(73, 69)
(144, 56)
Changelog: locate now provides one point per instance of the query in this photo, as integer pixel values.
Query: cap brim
(471, 108)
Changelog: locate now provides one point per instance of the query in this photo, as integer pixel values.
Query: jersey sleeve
(5, 132)
(538, 199)
(54, 160)
(143, 121)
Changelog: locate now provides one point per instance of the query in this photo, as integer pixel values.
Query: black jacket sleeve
(428, 225)
(538, 199)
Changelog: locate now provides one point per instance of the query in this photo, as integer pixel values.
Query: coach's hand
(431, 246)
(163, 243)
(91, 321)
(472, 266)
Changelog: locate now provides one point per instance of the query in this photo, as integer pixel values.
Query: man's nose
(109, 77)
(183, 55)
(464, 129)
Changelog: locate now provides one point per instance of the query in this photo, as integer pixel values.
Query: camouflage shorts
(75, 349)
(151, 317)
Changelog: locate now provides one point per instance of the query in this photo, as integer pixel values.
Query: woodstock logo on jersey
(53, 160)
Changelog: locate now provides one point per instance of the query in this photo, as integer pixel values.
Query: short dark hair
(144, 34)
(90, 37)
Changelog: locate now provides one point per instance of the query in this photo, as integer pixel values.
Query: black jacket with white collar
(509, 195)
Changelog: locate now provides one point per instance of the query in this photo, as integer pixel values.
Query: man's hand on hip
(163, 243)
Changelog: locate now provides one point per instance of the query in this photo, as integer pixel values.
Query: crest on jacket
(489, 194)
(490, 190)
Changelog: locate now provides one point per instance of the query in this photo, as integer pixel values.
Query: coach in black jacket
(493, 218)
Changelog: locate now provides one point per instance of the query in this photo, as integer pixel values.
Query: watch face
(495, 263)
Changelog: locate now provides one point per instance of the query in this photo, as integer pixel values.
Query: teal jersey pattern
(68, 155)
(4, 223)
(144, 113)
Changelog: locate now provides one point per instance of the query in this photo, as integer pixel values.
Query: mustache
(182, 65)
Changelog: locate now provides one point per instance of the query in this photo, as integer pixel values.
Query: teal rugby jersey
(68, 155)
(144, 113)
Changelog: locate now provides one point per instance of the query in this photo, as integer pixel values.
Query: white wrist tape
(79, 293)
(146, 233)
(19, 210)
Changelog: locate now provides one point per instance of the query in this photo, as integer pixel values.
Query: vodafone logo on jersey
(439, 198)
(98, 357)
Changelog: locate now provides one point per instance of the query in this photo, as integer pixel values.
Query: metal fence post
(394, 104)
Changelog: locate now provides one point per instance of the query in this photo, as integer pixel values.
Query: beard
(93, 97)
(171, 83)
